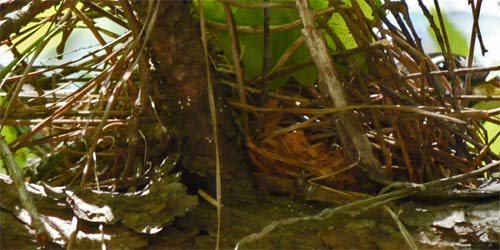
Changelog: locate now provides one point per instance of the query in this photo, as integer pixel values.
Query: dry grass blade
(258, 5)
(21, 81)
(147, 29)
(236, 60)
(74, 97)
(78, 101)
(213, 116)
(324, 111)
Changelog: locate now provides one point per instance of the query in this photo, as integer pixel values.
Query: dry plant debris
(418, 125)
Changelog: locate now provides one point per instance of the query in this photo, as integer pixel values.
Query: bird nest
(415, 115)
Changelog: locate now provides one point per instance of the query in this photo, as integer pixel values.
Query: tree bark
(178, 52)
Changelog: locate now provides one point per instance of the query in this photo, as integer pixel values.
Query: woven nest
(410, 146)
(419, 127)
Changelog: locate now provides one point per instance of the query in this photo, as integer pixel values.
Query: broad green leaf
(252, 44)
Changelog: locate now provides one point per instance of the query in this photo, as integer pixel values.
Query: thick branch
(22, 17)
(23, 194)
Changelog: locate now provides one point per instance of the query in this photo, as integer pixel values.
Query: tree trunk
(178, 52)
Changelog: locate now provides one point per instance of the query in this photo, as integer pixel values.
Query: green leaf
(492, 130)
(10, 134)
(458, 43)
(252, 44)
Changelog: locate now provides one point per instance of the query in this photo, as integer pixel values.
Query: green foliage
(10, 133)
(493, 129)
(251, 44)
(458, 43)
